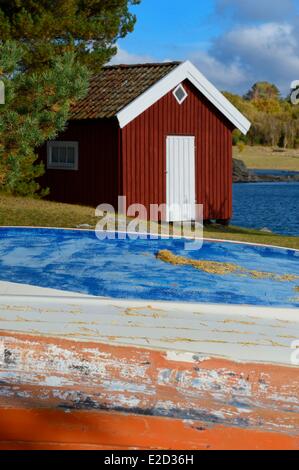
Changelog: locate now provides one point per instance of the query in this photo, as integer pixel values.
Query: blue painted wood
(77, 261)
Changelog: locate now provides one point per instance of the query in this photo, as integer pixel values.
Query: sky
(235, 43)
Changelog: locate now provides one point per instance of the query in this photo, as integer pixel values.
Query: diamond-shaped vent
(180, 94)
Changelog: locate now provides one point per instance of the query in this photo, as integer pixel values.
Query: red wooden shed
(155, 133)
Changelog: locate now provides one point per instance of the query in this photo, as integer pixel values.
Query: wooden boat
(79, 372)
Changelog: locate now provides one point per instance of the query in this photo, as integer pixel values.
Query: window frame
(180, 86)
(62, 143)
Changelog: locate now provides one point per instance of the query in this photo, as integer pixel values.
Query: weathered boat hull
(64, 389)
(42, 429)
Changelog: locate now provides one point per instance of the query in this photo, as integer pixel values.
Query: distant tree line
(275, 120)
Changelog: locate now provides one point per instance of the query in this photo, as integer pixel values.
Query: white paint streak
(185, 357)
(186, 332)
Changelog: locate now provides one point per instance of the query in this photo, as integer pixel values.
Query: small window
(180, 94)
(62, 155)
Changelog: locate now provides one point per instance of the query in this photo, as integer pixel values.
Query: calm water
(275, 172)
(267, 205)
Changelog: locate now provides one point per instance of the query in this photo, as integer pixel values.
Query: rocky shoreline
(241, 174)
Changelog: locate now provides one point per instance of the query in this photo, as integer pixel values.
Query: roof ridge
(145, 64)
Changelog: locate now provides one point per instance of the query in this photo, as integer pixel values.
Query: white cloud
(124, 57)
(266, 52)
(226, 76)
(261, 44)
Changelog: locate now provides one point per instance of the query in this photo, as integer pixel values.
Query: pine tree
(47, 28)
(36, 108)
(48, 49)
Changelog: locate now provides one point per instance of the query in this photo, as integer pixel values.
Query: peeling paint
(59, 373)
(172, 364)
(266, 337)
(184, 357)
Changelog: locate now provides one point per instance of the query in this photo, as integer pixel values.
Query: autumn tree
(263, 90)
(275, 120)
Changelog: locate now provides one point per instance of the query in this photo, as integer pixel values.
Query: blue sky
(171, 28)
(234, 42)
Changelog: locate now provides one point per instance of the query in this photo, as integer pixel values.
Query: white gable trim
(182, 72)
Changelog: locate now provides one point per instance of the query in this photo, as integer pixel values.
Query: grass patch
(265, 158)
(19, 211)
(251, 236)
(24, 211)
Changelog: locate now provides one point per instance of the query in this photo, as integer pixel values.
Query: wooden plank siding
(144, 152)
(97, 178)
(132, 161)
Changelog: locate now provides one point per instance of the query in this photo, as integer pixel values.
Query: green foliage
(241, 146)
(275, 121)
(37, 107)
(47, 28)
(48, 49)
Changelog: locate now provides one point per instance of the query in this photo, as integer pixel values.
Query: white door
(180, 176)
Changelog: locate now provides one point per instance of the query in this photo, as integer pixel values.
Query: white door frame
(180, 178)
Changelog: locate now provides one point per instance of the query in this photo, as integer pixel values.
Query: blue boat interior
(78, 261)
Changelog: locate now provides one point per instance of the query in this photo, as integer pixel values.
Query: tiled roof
(117, 86)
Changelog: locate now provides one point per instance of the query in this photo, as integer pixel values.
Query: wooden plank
(196, 116)
(90, 373)
(232, 332)
(87, 430)
(210, 402)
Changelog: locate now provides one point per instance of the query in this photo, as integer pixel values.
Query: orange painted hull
(64, 394)
(23, 429)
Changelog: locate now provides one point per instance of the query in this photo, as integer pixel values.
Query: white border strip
(279, 313)
(160, 235)
(108, 315)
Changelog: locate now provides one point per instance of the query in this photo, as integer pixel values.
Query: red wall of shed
(97, 178)
(144, 152)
